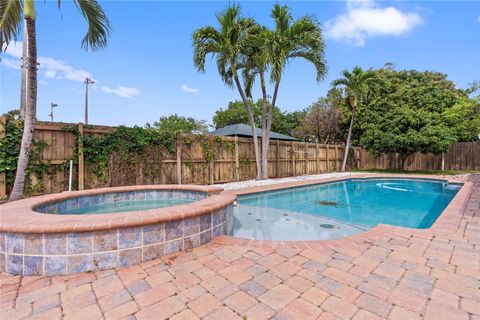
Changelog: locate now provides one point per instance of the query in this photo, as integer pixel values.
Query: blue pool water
(339, 209)
(126, 205)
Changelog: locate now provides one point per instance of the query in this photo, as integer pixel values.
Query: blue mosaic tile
(191, 226)
(33, 244)
(105, 241)
(150, 194)
(33, 265)
(216, 218)
(79, 242)
(173, 230)
(104, 261)
(2, 263)
(62, 207)
(84, 201)
(2, 242)
(130, 257)
(217, 231)
(80, 263)
(129, 237)
(205, 237)
(140, 195)
(95, 199)
(107, 198)
(55, 244)
(191, 242)
(153, 252)
(55, 265)
(14, 242)
(205, 222)
(154, 233)
(118, 196)
(129, 195)
(14, 264)
(72, 203)
(173, 246)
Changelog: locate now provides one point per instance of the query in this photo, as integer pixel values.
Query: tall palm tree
(291, 39)
(11, 12)
(356, 88)
(225, 45)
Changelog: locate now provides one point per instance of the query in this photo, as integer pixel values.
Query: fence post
(81, 173)
(327, 158)
(211, 171)
(317, 154)
(179, 164)
(277, 160)
(306, 157)
(336, 158)
(237, 161)
(3, 176)
(293, 159)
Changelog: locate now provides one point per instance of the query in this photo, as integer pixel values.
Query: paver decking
(394, 275)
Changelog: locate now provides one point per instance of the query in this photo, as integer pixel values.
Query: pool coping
(20, 216)
(447, 222)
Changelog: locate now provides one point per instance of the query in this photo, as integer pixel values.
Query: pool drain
(328, 203)
(327, 226)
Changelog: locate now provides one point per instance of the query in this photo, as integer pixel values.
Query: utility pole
(87, 82)
(52, 105)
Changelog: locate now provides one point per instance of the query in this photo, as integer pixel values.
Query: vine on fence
(132, 145)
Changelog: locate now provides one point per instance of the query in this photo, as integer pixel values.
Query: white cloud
(11, 63)
(364, 19)
(126, 92)
(51, 68)
(187, 88)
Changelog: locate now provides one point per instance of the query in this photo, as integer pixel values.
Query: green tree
(464, 118)
(225, 45)
(282, 122)
(179, 124)
(11, 13)
(405, 113)
(356, 84)
(272, 50)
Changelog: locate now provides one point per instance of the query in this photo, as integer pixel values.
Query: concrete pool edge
(33, 243)
(447, 222)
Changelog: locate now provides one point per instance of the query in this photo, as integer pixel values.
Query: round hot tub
(99, 229)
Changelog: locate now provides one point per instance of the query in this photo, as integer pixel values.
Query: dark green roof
(244, 130)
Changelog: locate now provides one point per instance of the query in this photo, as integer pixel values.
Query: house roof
(244, 130)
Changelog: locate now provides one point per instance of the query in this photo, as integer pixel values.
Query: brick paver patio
(397, 275)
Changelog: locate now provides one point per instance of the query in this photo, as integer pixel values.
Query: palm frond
(99, 27)
(11, 12)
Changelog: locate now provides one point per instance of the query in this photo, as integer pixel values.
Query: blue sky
(147, 71)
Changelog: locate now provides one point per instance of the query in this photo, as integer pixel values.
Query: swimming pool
(342, 208)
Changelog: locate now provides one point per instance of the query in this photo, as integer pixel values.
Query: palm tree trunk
(251, 119)
(349, 137)
(265, 129)
(23, 78)
(30, 63)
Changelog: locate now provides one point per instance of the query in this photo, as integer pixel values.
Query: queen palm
(291, 39)
(226, 45)
(11, 13)
(356, 87)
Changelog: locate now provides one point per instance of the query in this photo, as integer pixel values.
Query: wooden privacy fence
(461, 156)
(233, 160)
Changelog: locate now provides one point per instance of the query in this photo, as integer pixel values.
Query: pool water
(126, 205)
(339, 209)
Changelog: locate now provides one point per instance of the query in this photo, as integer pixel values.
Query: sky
(147, 71)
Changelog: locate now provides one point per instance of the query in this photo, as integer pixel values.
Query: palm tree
(291, 39)
(226, 45)
(10, 22)
(356, 87)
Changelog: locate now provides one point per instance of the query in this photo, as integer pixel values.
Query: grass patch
(440, 172)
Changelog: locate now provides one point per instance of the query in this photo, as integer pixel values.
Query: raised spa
(99, 229)
(110, 202)
(342, 208)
